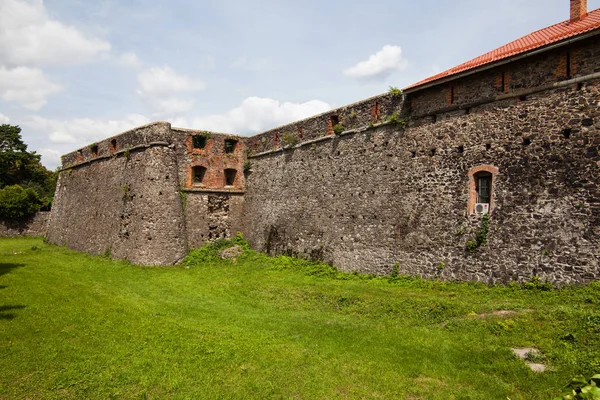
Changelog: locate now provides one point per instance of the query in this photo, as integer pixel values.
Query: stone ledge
(115, 154)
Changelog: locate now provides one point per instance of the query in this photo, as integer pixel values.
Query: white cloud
(379, 65)
(129, 60)
(30, 37)
(50, 157)
(4, 119)
(257, 114)
(159, 87)
(28, 87)
(80, 131)
(166, 81)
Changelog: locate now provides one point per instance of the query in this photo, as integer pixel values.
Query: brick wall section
(527, 73)
(33, 226)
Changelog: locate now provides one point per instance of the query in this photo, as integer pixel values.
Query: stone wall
(385, 191)
(127, 204)
(33, 226)
(368, 200)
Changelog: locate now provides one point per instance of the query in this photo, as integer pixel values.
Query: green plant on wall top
(338, 129)
(289, 139)
(395, 92)
(396, 120)
(247, 166)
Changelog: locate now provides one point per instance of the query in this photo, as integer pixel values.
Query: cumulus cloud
(162, 88)
(379, 65)
(4, 119)
(129, 60)
(80, 131)
(29, 37)
(256, 114)
(28, 87)
(50, 157)
(164, 80)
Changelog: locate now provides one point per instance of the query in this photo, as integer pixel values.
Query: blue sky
(76, 71)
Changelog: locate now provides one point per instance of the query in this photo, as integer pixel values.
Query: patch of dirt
(502, 313)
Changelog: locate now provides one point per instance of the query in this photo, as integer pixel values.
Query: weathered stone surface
(377, 195)
(33, 226)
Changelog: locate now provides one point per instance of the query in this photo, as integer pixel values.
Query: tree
(21, 167)
(16, 202)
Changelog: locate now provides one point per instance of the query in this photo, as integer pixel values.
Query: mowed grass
(78, 326)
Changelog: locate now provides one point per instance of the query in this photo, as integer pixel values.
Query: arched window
(482, 180)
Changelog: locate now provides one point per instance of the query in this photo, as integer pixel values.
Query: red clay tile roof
(535, 40)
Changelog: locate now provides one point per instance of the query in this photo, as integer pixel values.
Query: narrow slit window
(452, 95)
(198, 173)
(483, 187)
(230, 145)
(113, 145)
(335, 120)
(199, 141)
(568, 66)
(230, 177)
(503, 81)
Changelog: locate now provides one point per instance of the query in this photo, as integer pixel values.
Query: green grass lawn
(77, 326)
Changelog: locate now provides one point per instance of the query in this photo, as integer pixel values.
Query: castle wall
(126, 203)
(35, 225)
(368, 200)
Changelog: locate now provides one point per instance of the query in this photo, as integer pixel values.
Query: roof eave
(501, 62)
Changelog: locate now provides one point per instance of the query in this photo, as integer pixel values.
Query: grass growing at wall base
(78, 326)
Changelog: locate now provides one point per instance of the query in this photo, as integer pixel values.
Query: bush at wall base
(18, 203)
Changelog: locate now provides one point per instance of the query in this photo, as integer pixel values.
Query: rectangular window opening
(230, 177)
(452, 95)
(230, 145)
(484, 186)
(199, 141)
(335, 120)
(94, 149)
(568, 66)
(198, 173)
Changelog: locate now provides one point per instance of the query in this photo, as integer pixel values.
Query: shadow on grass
(5, 268)
(8, 316)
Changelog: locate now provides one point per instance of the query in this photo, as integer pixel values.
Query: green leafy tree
(16, 202)
(21, 167)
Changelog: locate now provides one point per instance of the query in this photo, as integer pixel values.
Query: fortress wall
(36, 225)
(127, 203)
(366, 201)
(352, 116)
(211, 216)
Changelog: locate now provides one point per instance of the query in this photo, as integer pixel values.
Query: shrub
(395, 92)
(247, 166)
(338, 129)
(583, 389)
(16, 202)
(289, 139)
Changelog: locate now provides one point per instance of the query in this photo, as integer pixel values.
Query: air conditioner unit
(482, 208)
